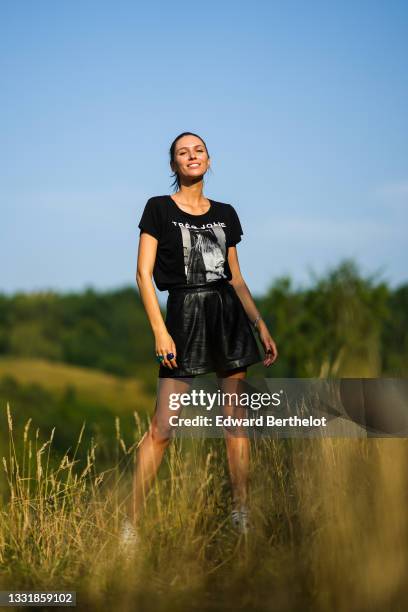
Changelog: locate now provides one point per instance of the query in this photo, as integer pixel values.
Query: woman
(188, 243)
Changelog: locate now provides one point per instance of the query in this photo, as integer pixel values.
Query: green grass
(329, 526)
(119, 394)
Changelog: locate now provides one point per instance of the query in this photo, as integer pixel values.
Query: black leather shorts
(210, 329)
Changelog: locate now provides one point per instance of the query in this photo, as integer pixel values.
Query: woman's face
(190, 157)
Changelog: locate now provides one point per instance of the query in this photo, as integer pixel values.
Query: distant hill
(121, 395)
(341, 325)
(65, 397)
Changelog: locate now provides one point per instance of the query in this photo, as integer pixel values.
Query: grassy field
(119, 394)
(329, 527)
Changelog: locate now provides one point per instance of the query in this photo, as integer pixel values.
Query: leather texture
(211, 330)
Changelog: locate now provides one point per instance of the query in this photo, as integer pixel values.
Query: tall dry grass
(329, 526)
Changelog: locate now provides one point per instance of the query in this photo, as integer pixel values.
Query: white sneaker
(129, 537)
(240, 520)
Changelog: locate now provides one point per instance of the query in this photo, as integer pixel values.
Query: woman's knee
(160, 433)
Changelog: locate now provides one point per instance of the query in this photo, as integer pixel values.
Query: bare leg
(238, 461)
(238, 449)
(154, 443)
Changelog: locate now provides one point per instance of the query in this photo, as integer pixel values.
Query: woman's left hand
(268, 343)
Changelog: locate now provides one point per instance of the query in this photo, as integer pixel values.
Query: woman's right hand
(165, 344)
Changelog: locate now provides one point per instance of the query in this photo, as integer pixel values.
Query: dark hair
(176, 182)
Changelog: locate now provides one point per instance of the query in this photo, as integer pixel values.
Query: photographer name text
(268, 420)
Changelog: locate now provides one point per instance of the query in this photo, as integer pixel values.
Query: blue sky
(303, 107)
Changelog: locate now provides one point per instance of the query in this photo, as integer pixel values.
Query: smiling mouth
(194, 165)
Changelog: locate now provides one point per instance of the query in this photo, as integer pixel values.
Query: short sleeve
(235, 229)
(150, 221)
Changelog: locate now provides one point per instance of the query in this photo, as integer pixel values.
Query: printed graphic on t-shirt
(204, 249)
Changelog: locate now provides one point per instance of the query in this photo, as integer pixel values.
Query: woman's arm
(249, 305)
(145, 264)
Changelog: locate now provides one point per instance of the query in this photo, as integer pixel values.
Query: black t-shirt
(191, 248)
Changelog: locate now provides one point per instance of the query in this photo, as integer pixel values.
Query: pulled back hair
(176, 182)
